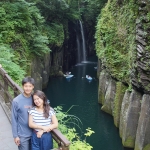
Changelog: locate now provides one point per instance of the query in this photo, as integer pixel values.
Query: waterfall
(83, 42)
(78, 49)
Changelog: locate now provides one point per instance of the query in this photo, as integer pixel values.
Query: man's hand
(17, 141)
(40, 133)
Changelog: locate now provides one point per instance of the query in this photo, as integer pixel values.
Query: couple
(32, 119)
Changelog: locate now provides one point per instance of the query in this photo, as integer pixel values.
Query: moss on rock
(147, 147)
(115, 38)
(120, 91)
(129, 142)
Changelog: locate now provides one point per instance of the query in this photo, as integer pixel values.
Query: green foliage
(22, 23)
(38, 43)
(55, 34)
(65, 126)
(22, 29)
(115, 37)
(33, 27)
(12, 69)
(76, 142)
(59, 10)
(90, 9)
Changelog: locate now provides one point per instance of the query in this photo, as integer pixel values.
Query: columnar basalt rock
(143, 131)
(108, 105)
(99, 66)
(120, 91)
(123, 113)
(103, 84)
(140, 76)
(132, 117)
(134, 121)
(46, 70)
(56, 63)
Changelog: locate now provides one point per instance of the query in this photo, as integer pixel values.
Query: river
(83, 95)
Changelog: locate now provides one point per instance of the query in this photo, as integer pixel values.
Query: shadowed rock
(120, 91)
(143, 131)
(103, 84)
(123, 113)
(109, 97)
(132, 117)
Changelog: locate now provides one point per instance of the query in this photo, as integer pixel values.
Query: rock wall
(143, 130)
(130, 109)
(130, 105)
(140, 73)
(40, 70)
(132, 117)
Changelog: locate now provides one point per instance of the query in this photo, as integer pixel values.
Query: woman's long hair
(46, 106)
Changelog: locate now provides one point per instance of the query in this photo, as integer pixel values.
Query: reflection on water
(81, 93)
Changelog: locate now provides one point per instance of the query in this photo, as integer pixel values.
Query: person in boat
(42, 120)
(88, 76)
(67, 73)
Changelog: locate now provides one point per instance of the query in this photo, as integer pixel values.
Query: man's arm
(14, 118)
(14, 122)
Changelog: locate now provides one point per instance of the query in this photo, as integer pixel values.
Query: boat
(95, 68)
(69, 76)
(88, 77)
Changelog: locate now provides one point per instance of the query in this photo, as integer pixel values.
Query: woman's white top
(39, 119)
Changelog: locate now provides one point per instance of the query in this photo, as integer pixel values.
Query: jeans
(43, 143)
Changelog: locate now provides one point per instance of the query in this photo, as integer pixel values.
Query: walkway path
(6, 139)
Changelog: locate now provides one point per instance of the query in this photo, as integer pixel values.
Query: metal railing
(8, 90)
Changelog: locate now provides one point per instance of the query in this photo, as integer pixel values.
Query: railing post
(1, 87)
(15, 92)
(6, 98)
(63, 147)
(0, 82)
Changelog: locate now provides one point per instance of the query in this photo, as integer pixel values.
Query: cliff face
(40, 70)
(130, 110)
(140, 73)
(127, 98)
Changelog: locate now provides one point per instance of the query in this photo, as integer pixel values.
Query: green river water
(83, 95)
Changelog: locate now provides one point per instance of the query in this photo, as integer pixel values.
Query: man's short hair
(28, 79)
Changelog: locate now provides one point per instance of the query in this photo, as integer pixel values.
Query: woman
(42, 119)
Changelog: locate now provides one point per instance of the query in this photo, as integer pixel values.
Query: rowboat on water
(69, 76)
(89, 77)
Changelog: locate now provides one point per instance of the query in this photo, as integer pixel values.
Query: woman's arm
(54, 123)
(35, 126)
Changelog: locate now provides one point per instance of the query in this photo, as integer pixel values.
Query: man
(19, 115)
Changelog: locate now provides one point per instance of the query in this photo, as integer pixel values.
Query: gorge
(43, 39)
